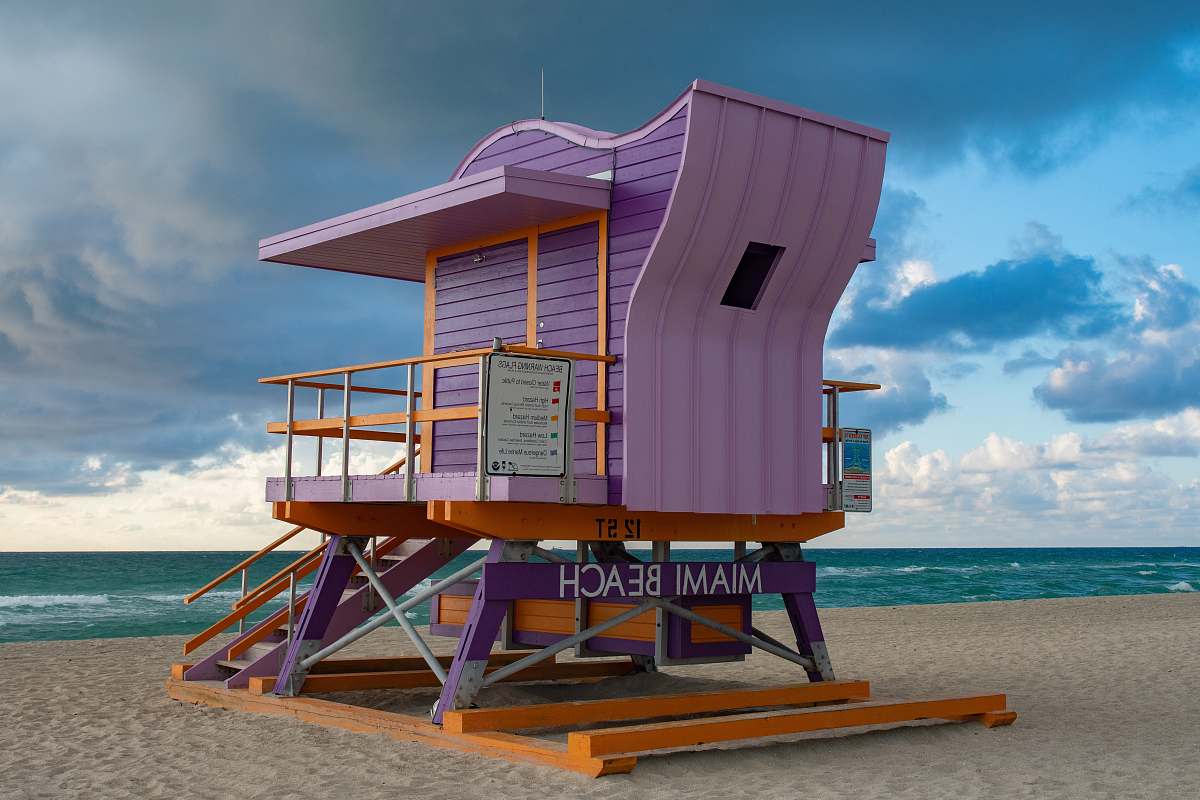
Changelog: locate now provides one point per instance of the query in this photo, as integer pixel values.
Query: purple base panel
(679, 631)
(518, 581)
(591, 489)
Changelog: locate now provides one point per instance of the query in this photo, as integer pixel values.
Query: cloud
(215, 502)
(1030, 359)
(1158, 373)
(1046, 294)
(907, 397)
(1176, 435)
(1009, 493)
(1180, 194)
(1153, 366)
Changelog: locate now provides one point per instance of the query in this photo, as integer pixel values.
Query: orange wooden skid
(402, 727)
(548, 715)
(632, 739)
(416, 679)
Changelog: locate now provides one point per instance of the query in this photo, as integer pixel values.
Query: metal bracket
(296, 677)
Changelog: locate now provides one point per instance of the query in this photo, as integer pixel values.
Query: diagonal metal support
(379, 621)
(332, 578)
(563, 644)
(397, 613)
(734, 633)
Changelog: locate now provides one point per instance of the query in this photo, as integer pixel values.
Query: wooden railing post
(320, 439)
(410, 435)
(287, 458)
(346, 436)
(242, 620)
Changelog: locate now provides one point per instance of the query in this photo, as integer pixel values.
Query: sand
(1108, 691)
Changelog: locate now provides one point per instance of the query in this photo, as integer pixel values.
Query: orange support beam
(415, 679)
(363, 519)
(549, 715)
(689, 733)
(589, 523)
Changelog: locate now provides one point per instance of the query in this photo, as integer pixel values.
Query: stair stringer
(350, 613)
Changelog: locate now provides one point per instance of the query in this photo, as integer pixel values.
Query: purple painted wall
(723, 404)
(644, 164)
(474, 302)
(567, 316)
(715, 409)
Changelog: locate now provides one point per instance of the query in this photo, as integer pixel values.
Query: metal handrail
(436, 357)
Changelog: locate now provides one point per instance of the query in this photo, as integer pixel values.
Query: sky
(1034, 312)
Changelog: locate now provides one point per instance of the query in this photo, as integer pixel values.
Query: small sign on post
(856, 469)
(527, 416)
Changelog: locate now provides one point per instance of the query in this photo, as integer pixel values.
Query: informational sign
(856, 469)
(526, 415)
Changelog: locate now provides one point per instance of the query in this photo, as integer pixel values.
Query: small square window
(750, 278)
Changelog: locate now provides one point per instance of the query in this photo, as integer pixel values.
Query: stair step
(405, 549)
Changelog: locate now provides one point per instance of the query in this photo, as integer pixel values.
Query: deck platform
(654, 724)
(590, 489)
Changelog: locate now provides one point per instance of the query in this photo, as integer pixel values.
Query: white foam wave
(911, 569)
(46, 600)
(1182, 586)
(1014, 563)
(1147, 572)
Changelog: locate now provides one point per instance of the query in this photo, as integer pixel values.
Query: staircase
(401, 563)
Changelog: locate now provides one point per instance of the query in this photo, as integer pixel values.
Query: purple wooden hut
(704, 251)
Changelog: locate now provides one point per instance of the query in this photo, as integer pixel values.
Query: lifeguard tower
(623, 341)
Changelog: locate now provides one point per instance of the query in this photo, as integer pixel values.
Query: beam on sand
(401, 727)
(337, 666)
(549, 715)
(318, 683)
(689, 733)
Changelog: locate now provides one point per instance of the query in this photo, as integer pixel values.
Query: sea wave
(911, 569)
(1182, 586)
(1147, 572)
(47, 600)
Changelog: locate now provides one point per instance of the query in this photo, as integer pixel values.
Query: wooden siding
(474, 302)
(643, 176)
(567, 317)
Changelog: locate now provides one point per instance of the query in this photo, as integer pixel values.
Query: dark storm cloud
(1029, 359)
(145, 147)
(1180, 194)
(906, 399)
(1006, 301)
(1148, 368)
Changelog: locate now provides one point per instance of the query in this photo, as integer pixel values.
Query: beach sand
(1108, 692)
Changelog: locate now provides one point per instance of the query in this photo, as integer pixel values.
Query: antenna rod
(542, 76)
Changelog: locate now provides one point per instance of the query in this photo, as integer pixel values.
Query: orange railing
(350, 426)
(252, 600)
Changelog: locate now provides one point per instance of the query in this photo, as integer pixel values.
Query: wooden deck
(595, 747)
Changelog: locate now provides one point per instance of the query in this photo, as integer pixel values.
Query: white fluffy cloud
(214, 503)
(1070, 490)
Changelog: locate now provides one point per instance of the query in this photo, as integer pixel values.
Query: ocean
(89, 595)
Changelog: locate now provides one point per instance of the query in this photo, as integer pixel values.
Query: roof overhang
(392, 238)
